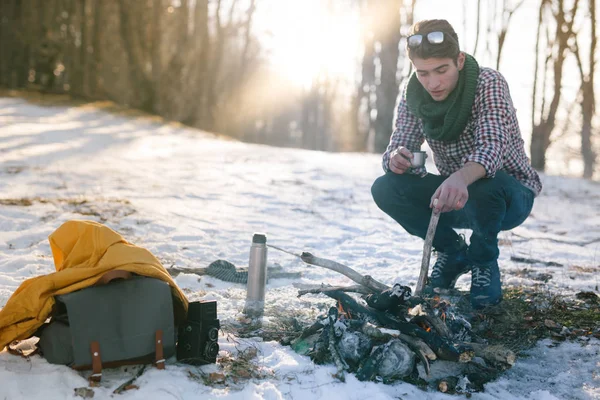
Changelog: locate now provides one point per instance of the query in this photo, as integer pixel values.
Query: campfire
(383, 333)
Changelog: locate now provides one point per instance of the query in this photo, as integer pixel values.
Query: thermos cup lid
(259, 238)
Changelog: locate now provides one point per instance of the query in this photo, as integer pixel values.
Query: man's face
(438, 76)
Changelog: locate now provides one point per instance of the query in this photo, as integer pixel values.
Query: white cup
(419, 158)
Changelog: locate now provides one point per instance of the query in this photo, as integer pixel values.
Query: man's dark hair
(449, 48)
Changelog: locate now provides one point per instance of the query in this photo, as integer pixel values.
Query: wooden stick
(364, 280)
(442, 347)
(129, 383)
(435, 217)
(419, 344)
(324, 289)
(283, 250)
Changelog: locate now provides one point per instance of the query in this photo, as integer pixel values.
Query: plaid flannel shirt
(491, 137)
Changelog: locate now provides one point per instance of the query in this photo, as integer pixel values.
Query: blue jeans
(495, 204)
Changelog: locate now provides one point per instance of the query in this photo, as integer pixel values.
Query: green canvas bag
(127, 321)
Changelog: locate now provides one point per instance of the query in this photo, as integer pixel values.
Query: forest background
(314, 74)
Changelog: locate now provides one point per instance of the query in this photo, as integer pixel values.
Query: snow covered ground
(191, 198)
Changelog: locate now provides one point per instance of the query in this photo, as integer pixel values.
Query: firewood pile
(383, 333)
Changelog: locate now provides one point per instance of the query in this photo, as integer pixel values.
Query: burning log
(423, 316)
(442, 348)
(384, 338)
(391, 353)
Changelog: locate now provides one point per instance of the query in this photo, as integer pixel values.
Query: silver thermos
(257, 276)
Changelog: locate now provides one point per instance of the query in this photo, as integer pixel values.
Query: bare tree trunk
(13, 53)
(155, 49)
(536, 148)
(244, 61)
(588, 98)
(507, 14)
(478, 29)
(96, 80)
(4, 41)
(233, 95)
(77, 47)
(310, 118)
(85, 47)
(214, 67)
(541, 131)
(366, 90)
(141, 85)
(21, 70)
(200, 115)
(69, 60)
(30, 34)
(387, 90)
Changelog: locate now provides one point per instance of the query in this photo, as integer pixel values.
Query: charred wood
(390, 361)
(419, 347)
(383, 334)
(496, 355)
(442, 347)
(448, 384)
(433, 322)
(311, 330)
(335, 355)
(425, 316)
(478, 375)
(392, 300)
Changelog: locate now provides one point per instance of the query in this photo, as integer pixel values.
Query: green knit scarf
(445, 120)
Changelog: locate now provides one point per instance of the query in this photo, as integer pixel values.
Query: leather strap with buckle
(160, 358)
(96, 363)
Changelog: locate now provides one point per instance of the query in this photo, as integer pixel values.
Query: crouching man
(486, 181)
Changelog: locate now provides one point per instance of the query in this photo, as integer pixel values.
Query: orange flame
(342, 312)
(425, 326)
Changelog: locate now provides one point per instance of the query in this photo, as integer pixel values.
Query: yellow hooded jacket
(83, 252)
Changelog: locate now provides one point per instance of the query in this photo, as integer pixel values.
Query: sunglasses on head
(435, 37)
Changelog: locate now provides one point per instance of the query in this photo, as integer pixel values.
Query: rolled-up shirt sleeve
(407, 133)
(492, 128)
